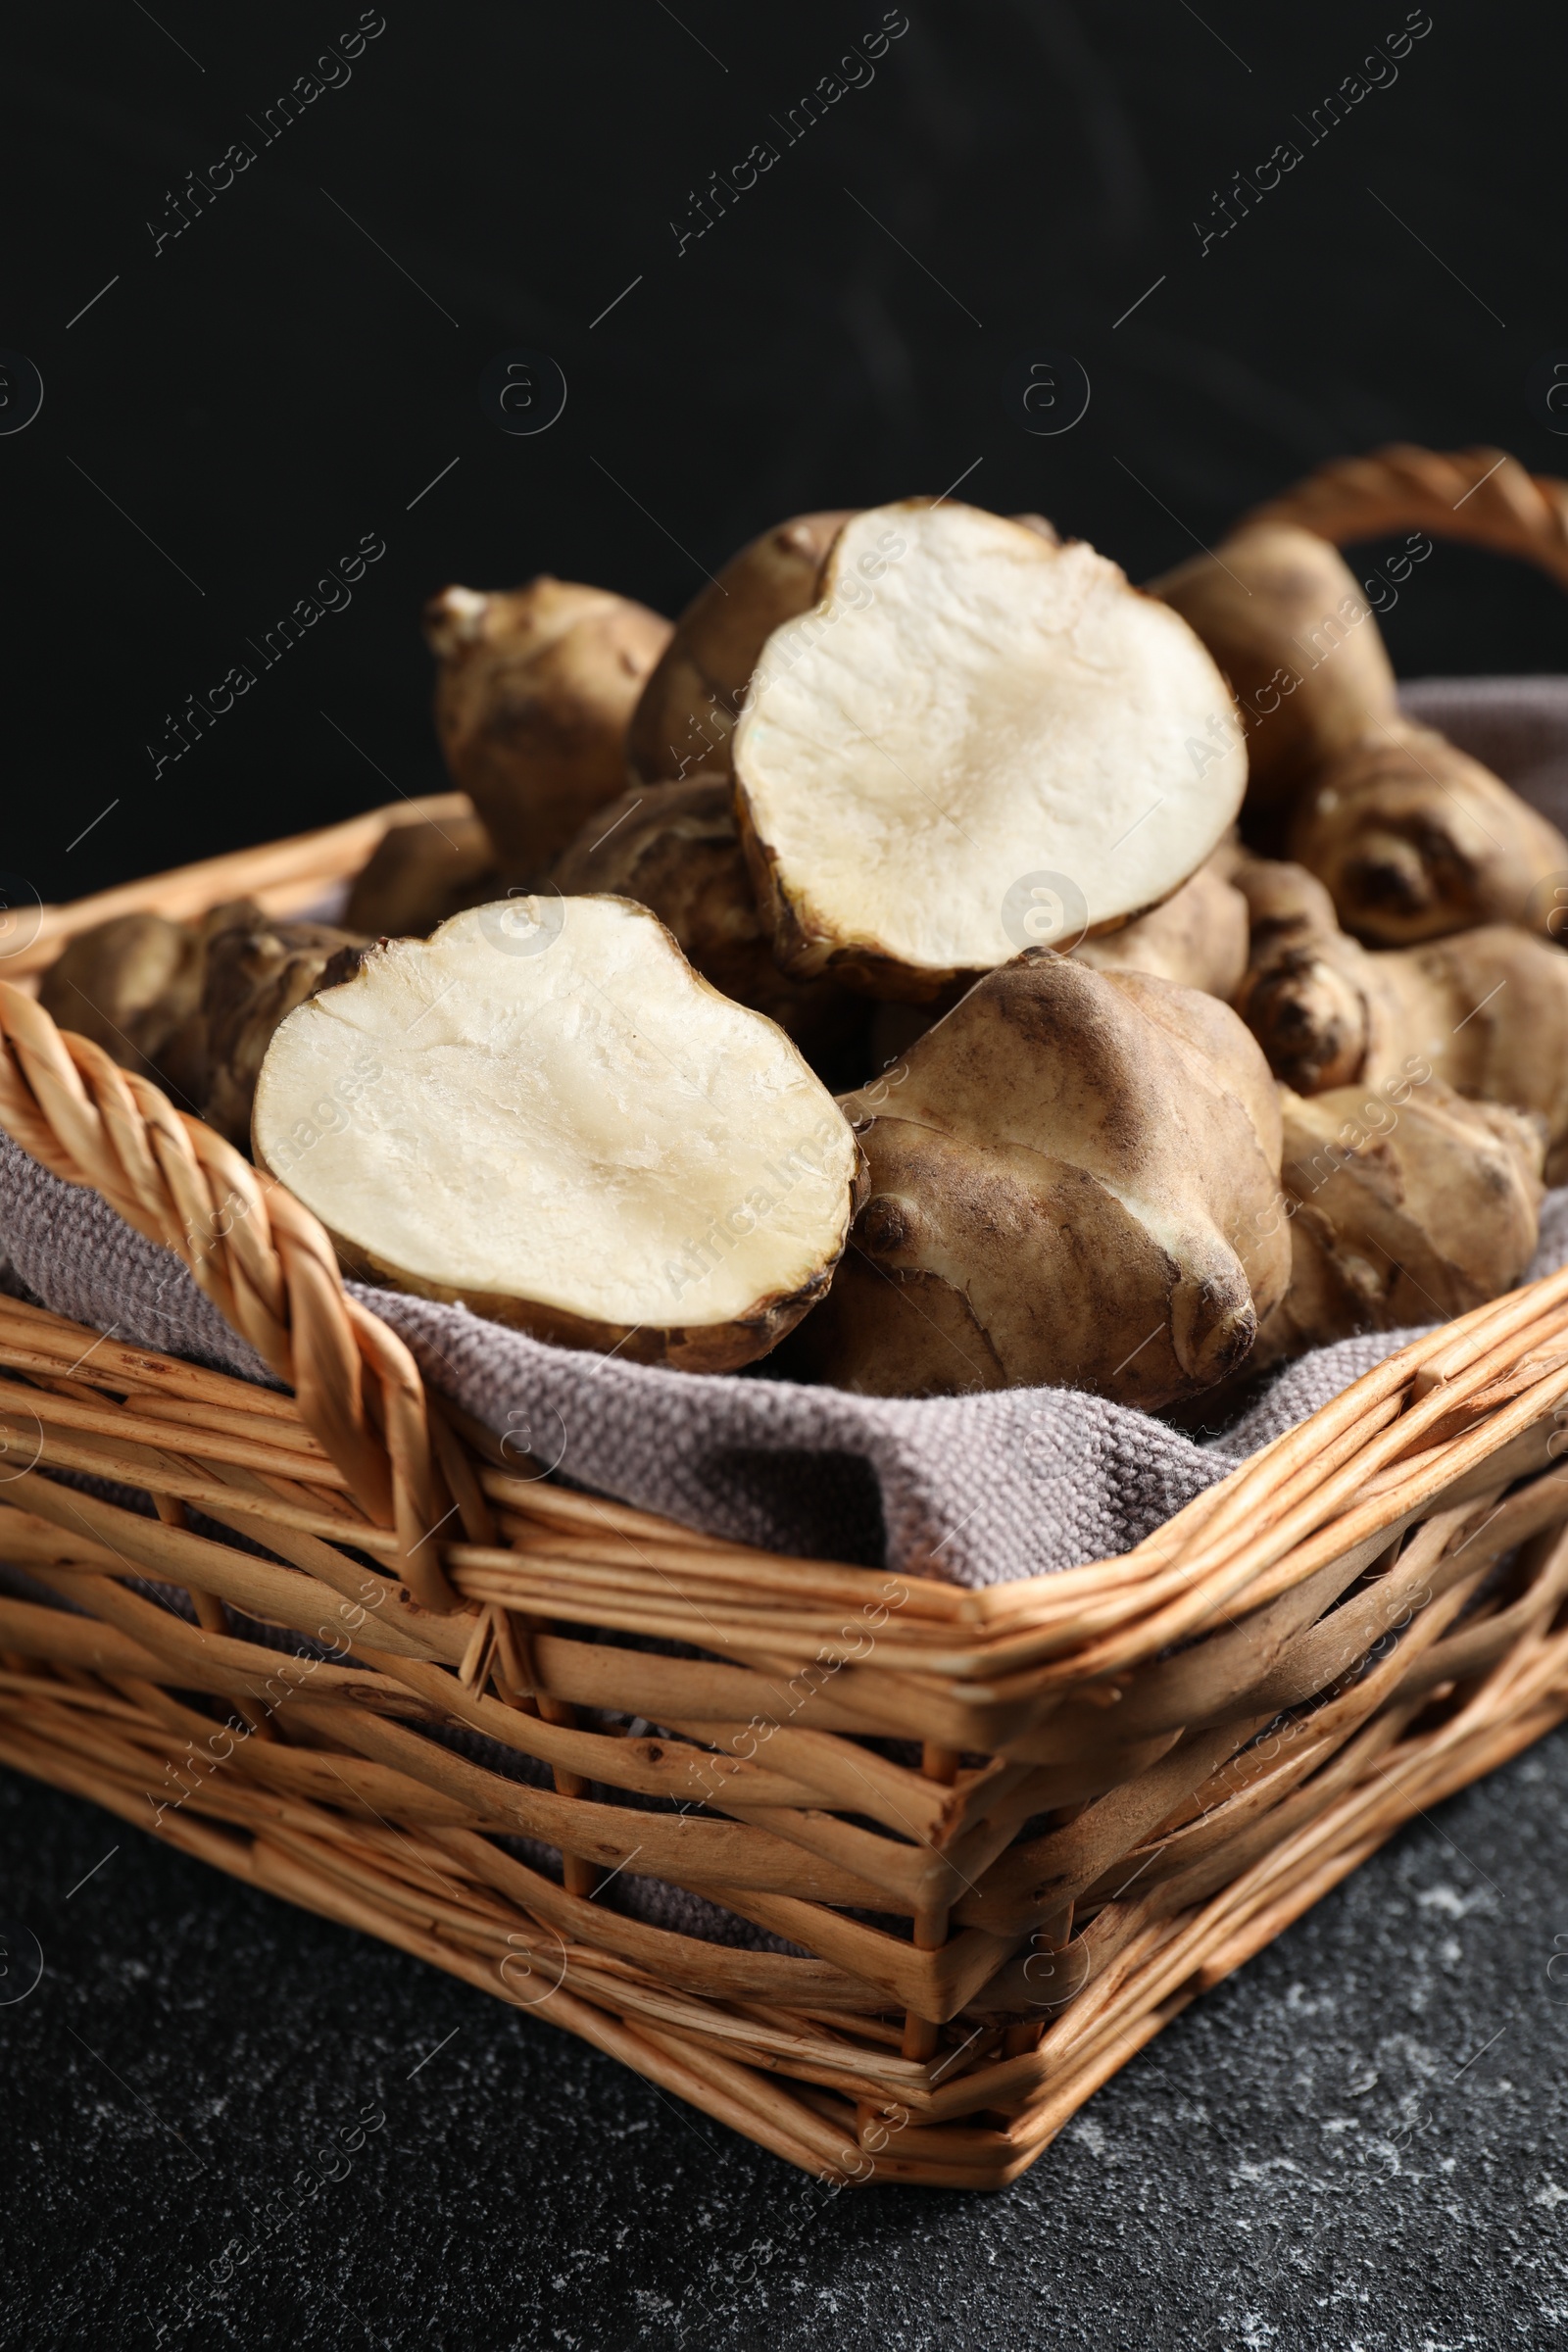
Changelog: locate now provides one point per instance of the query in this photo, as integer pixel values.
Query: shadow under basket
(994, 1839)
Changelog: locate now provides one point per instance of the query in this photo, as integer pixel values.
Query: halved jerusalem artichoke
(1056, 1176)
(681, 727)
(532, 702)
(677, 851)
(970, 711)
(545, 1113)
(1402, 1214)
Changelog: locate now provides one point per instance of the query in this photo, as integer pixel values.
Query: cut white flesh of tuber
(977, 742)
(543, 1111)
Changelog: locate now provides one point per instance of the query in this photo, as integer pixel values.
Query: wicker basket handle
(1482, 495)
(260, 1255)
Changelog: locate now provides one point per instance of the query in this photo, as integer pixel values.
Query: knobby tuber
(1413, 838)
(1485, 1011)
(1416, 840)
(133, 985)
(535, 692)
(1284, 616)
(544, 1113)
(1307, 989)
(969, 718)
(1405, 1206)
(1055, 1170)
(419, 875)
(257, 973)
(193, 1005)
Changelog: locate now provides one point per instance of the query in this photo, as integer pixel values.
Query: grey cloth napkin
(978, 1490)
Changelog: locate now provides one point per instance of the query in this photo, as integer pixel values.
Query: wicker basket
(1130, 1776)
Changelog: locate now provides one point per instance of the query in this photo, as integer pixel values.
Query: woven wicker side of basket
(1130, 1776)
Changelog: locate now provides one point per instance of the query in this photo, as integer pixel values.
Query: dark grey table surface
(1361, 2140)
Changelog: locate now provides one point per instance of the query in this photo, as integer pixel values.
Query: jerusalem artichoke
(1415, 840)
(132, 985)
(1283, 615)
(682, 725)
(419, 875)
(533, 702)
(1406, 1206)
(1486, 1011)
(970, 715)
(543, 1111)
(257, 973)
(677, 850)
(1056, 1171)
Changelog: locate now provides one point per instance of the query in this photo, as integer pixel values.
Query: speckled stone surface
(1359, 2142)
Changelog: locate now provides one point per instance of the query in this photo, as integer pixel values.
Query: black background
(1305, 2158)
(271, 385)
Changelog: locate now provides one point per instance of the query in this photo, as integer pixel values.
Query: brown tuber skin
(419, 874)
(1305, 992)
(133, 985)
(535, 692)
(688, 711)
(1486, 1011)
(677, 851)
(1284, 616)
(257, 971)
(1198, 937)
(1415, 840)
(193, 1005)
(1406, 1207)
(1055, 1174)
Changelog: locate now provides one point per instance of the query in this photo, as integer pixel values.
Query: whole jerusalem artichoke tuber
(1485, 1011)
(133, 985)
(1306, 991)
(1406, 1206)
(257, 973)
(419, 875)
(534, 695)
(1283, 615)
(1055, 1178)
(1415, 840)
